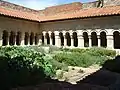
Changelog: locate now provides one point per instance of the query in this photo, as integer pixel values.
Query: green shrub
(99, 51)
(78, 50)
(84, 57)
(56, 65)
(21, 66)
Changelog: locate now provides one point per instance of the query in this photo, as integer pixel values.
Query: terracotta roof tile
(19, 14)
(92, 12)
(84, 13)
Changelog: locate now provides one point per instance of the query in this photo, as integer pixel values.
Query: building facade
(70, 25)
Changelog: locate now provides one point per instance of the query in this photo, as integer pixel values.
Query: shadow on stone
(107, 78)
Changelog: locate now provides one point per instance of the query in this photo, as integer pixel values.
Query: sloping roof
(83, 13)
(19, 14)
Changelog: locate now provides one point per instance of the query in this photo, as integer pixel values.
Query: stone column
(34, 39)
(22, 38)
(1, 41)
(57, 39)
(80, 39)
(8, 39)
(45, 40)
(90, 41)
(99, 44)
(39, 39)
(109, 36)
(15, 38)
(50, 37)
(72, 40)
(29, 38)
(110, 44)
(65, 40)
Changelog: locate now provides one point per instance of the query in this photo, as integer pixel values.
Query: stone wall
(66, 8)
(111, 2)
(111, 22)
(90, 5)
(18, 25)
(7, 23)
(108, 25)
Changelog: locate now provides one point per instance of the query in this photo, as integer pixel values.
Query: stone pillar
(109, 36)
(90, 41)
(57, 39)
(110, 44)
(15, 37)
(72, 40)
(99, 44)
(39, 39)
(8, 38)
(65, 40)
(80, 39)
(50, 37)
(33, 38)
(22, 38)
(45, 40)
(1, 41)
(29, 38)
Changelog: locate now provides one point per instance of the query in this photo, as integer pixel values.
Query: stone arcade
(70, 25)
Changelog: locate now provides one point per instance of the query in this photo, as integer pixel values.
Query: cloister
(70, 25)
(82, 39)
(15, 38)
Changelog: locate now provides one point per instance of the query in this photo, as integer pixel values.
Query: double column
(110, 39)
(80, 39)
(65, 39)
(57, 39)
(45, 39)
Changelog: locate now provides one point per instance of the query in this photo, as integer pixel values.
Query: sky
(41, 4)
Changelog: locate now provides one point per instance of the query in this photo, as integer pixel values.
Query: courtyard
(64, 47)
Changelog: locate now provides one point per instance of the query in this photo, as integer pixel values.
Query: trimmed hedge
(21, 66)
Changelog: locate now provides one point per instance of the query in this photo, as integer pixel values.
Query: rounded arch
(36, 39)
(53, 38)
(31, 38)
(12, 38)
(116, 36)
(93, 31)
(67, 35)
(94, 39)
(5, 38)
(26, 39)
(85, 30)
(103, 39)
(103, 30)
(61, 38)
(48, 38)
(18, 38)
(115, 30)
(86, 39)
(75, 39)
